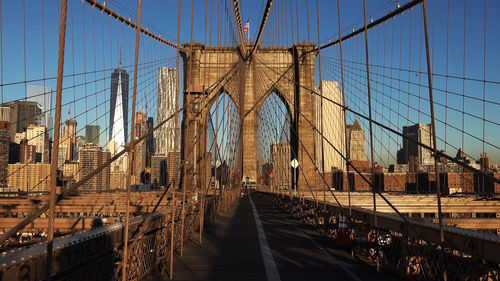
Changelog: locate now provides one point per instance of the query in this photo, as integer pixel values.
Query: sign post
(294, 165)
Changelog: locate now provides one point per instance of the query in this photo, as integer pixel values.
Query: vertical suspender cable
(95, 68)
(344, 113)
(176, 118)
(392, 67)
(1, 48)
(194, 144)
(24, 51)
(192, 18)
(433, 124)
(446, 79)
(57, 123)
(206, 14)
(282, 25)
(202, 188)
(346, 138)
(484, 85)
(70, 150)
(47, 122)
(211, 20)
(486, 168)
(219, 21)
(291, 19)
(84, 67)
(130, 175)
(286, 22)
(463, 78)
(321, 107)
(411, 162)
(371, 126)
(297, 16)
(308, 30)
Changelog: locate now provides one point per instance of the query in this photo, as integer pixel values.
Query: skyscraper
(121, 164)
(140, 148)
(330, 119)
(357, 142)
(4, 152)
(410, 150)
(118, 122)
(91, 157)
(42, 96)
(37, 136)
(79, 144)
(150, 145)
(165, 134)
(174, 167)
(5, 113)
(27, 152)
(92, 134)
(22, 114)
(68, 139)
(159, 170)
(61, 155)
(29, 177)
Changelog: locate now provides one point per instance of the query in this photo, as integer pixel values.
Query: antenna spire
(120, 62)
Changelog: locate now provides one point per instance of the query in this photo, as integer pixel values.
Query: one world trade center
(118, 122)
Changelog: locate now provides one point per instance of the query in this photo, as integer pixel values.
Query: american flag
(246, 27)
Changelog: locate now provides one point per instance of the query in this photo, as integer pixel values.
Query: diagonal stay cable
(439, 153)
(344, 157)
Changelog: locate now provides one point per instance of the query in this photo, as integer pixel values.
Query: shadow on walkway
(231, 250)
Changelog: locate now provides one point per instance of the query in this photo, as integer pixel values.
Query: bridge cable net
(96, 92)
(99, 54)
(99, 59)
(398, 119)
(373, 118)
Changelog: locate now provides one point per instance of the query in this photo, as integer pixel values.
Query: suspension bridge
(332, 140)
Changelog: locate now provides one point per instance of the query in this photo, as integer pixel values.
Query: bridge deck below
(232, 250)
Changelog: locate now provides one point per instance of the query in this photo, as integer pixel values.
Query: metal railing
(97, 254)
(410, 248)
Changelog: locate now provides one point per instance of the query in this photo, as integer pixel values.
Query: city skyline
(166, 85)
(112, 51)
(316, 140)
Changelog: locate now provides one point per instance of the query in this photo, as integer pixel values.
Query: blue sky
(161, 18)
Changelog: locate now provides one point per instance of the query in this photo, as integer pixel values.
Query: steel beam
(129, 22)
(398, 11)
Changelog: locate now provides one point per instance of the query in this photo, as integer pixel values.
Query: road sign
(294, 163)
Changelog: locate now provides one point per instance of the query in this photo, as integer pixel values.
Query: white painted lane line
(269, 264)
(327, 253)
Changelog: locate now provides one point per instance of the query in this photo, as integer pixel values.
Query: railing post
(55, 148)
(131, 143)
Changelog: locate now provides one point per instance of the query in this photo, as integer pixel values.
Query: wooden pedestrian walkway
(233, 249)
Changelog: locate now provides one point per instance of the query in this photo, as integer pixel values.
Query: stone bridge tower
(288, 71)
